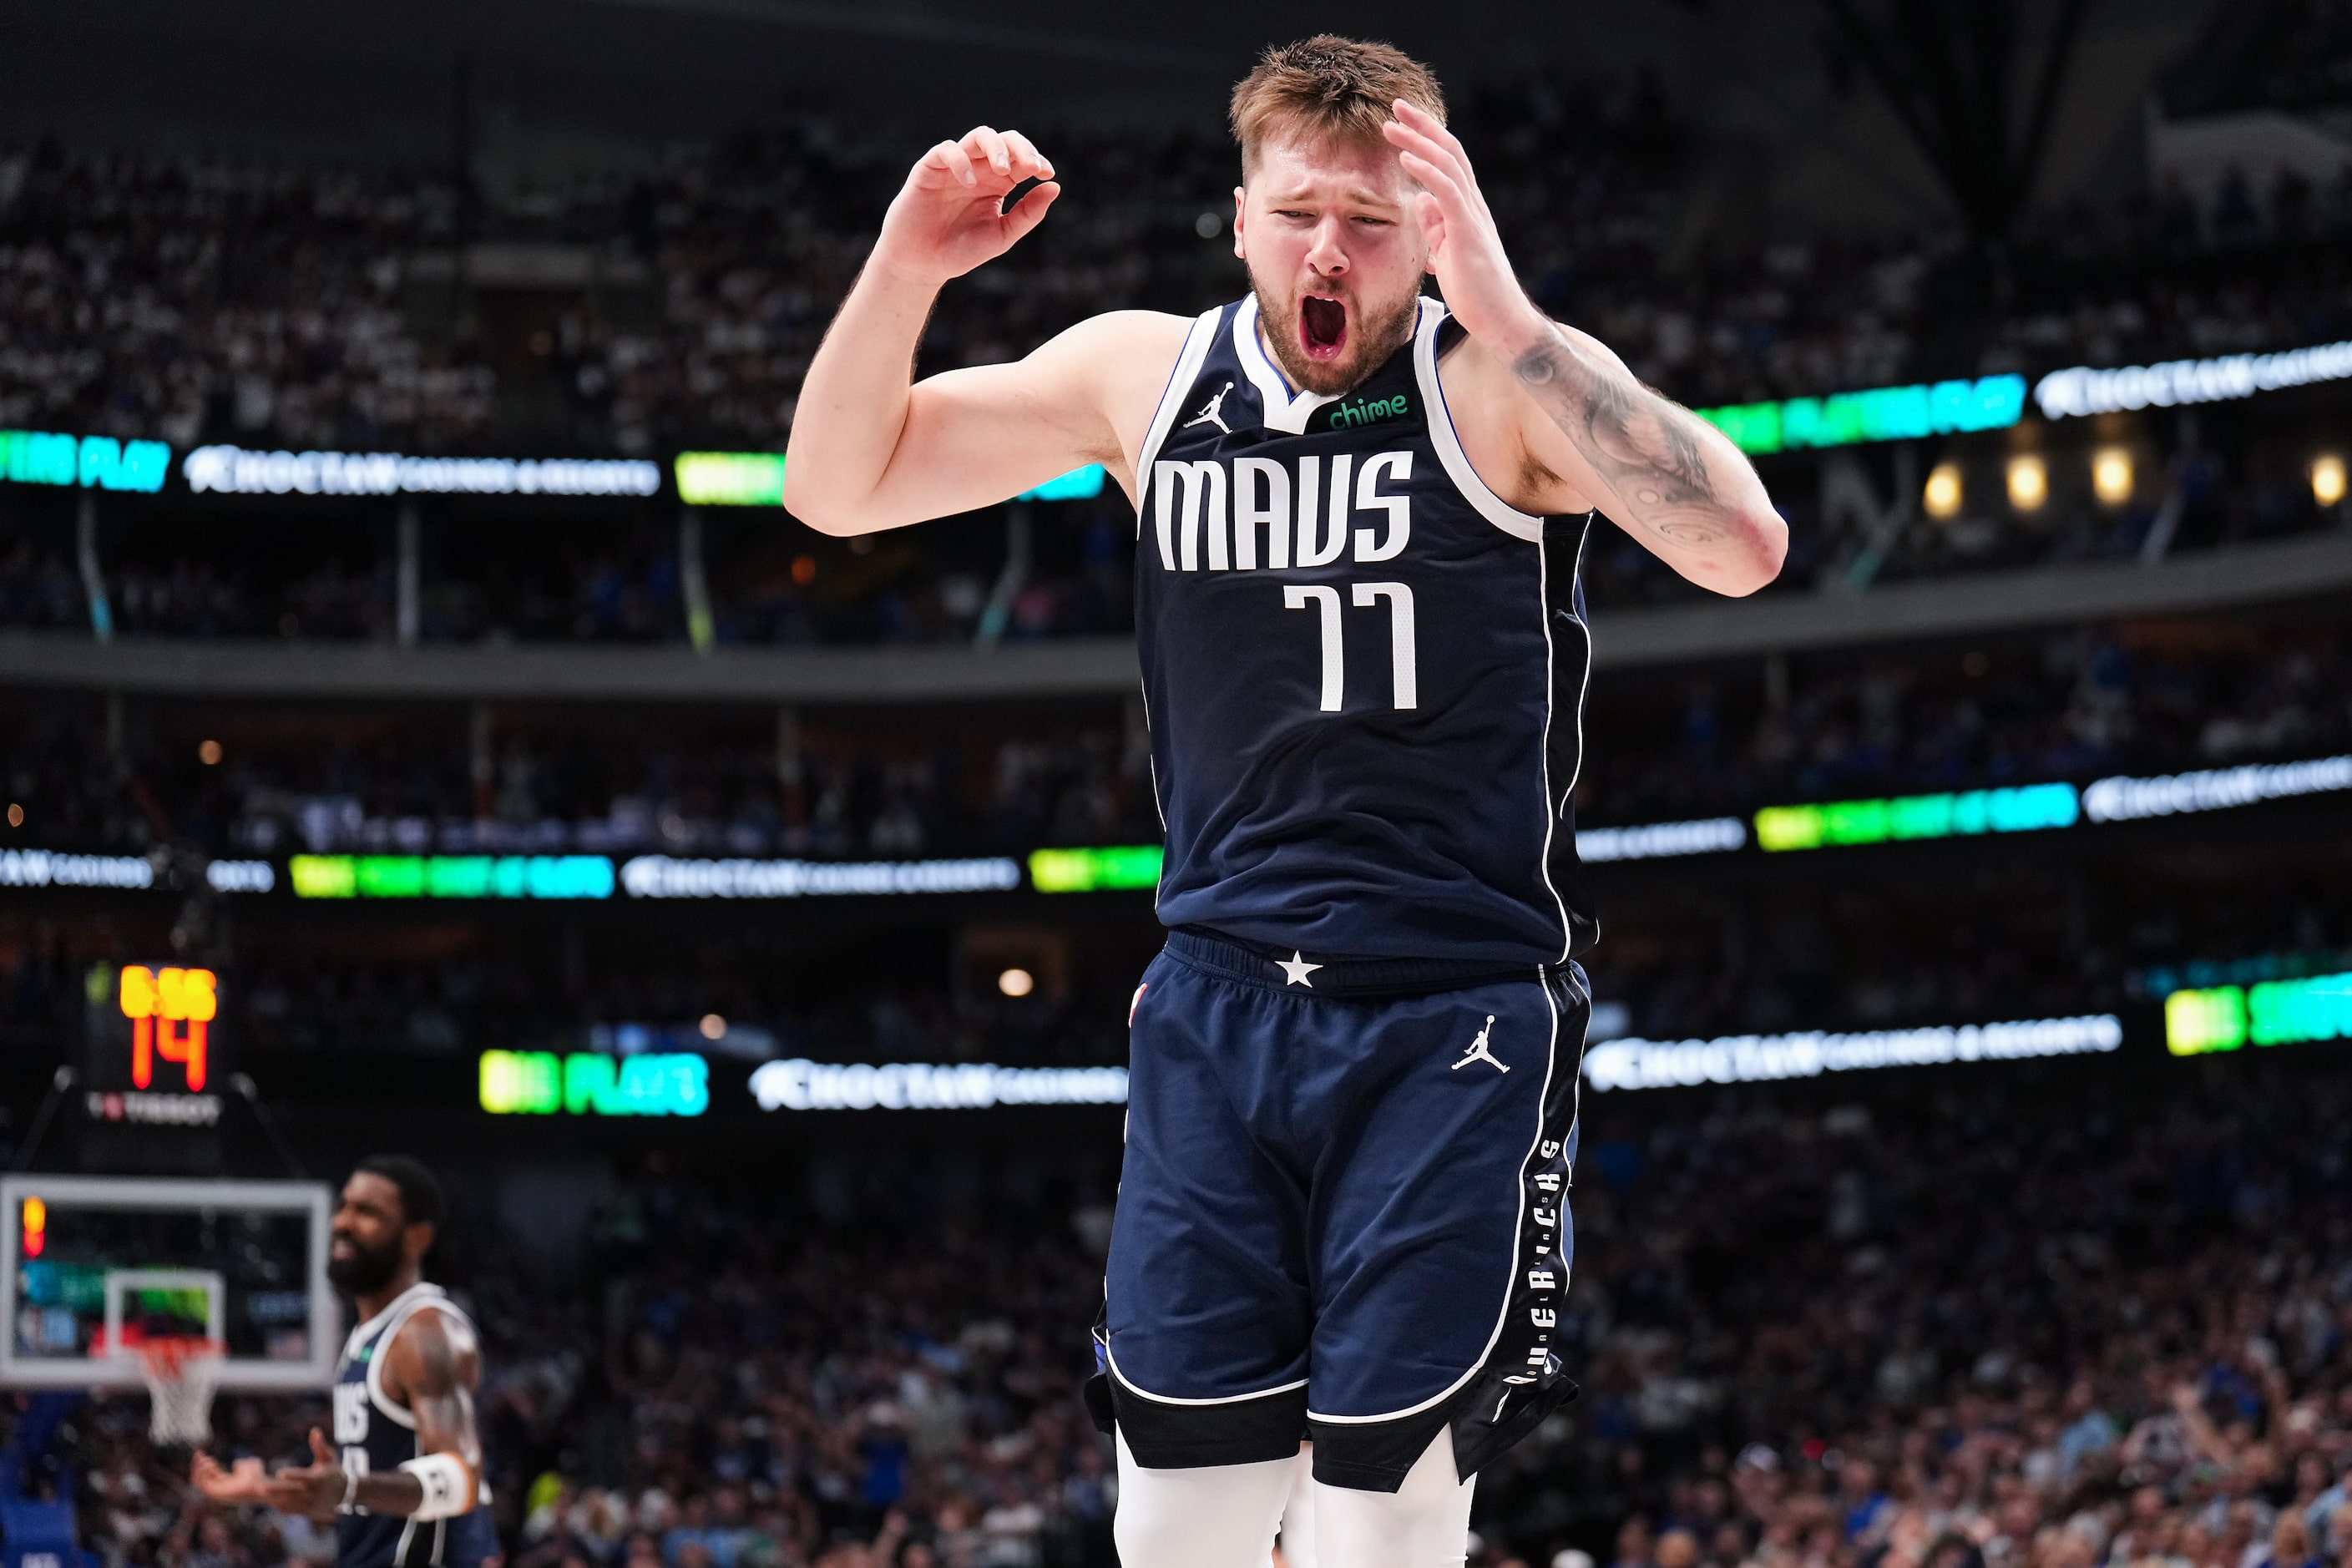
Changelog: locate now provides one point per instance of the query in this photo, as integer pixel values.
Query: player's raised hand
(1466, 250)
(949, 217)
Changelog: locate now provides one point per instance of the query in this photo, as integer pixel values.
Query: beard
(1374, 331)
(364, 1272)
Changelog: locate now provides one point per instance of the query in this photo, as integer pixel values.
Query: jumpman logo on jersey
(1209, 414)
(1478, 1051)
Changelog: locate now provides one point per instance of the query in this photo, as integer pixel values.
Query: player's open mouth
(1322, 327)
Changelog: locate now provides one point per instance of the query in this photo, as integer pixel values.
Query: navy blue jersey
(373, 1434)
(1365, 671)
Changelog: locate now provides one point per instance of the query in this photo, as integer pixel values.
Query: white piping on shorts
(1164, 1399)
(1518, 1225)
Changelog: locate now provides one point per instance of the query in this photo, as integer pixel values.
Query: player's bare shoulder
(432, 1352)
(1123, 358)
(1493, 417)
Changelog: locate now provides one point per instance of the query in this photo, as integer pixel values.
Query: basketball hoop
(182, 1371)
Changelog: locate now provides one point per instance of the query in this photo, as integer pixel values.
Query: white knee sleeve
(1218, 1516)
(1298, 1514)
(1424, 1523)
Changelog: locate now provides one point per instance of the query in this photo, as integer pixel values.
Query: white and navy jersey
(373, 1434)
(1365, 671)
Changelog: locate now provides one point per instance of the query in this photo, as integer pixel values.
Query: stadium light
(2029, 482)
(2328, 479)
(2111, 475)
(1944, 494)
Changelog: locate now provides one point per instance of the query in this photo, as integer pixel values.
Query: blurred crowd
(940, 785)
(765, 581)
(2142, 697)
(192, 298)
(677, 306)
(2097, 1315)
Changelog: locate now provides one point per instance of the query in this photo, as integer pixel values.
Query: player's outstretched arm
(434, 1365)
(870, 449)
(1665, 475)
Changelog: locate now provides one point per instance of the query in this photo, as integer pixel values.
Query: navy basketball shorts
(1343, 1211)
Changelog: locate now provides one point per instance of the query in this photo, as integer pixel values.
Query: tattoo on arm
(439, 1387)
(1642, 445)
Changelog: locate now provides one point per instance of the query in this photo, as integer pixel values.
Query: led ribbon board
(91, 462)
(451, 875)
(803, 1085)
(2021, 810)
(240, 876)
(660, 877)
(52, 868)
(2080, 390)
(1078, 484)
(1880, 414)
(2274, 1013)
(1094, 871)
(1764, 1059)
(540, 1083)
(1707, 836)
(2213, 789)
(236, 470)
(757, 478)
(730, 479)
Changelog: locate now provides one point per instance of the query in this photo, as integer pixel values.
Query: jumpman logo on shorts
(1478, 1051)
(1209, 414)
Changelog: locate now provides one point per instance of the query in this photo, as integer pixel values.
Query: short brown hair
(1328, 86)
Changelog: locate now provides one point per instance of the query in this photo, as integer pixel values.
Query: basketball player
(402, 1480)
(1359, 516)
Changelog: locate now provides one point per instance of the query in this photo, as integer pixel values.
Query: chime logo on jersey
(1303, 517)
(1348, 416)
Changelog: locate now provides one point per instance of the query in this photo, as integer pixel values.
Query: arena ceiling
(603, 81)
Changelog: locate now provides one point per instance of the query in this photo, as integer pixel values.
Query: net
(181, 1372)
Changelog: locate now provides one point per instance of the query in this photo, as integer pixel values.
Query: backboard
(92, 1266)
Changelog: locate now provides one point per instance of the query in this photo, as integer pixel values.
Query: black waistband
(1325, 975)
